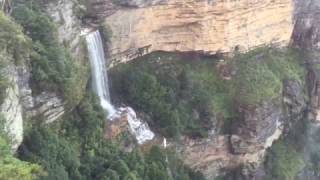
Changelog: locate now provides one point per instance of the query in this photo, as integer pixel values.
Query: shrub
(14, 44)
(283, 162)
(261, 72)
(11, 167)
(54, 154)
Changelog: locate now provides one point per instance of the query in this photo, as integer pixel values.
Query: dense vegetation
(188, 94)
(14, 46)
(260, 73)
(180, 96)
(81, 152)
(4, 82)
(11, 167)
(283, 162)
(290, 155)
(52, 66)
(296, 154)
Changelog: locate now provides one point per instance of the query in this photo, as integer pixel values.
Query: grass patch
(261, 72)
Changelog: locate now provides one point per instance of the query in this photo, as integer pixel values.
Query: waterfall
(99, 70)
(100, 85)
(138, 128)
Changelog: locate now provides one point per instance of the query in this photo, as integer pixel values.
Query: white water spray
(99, 74)
(99, 71)
(138, 128)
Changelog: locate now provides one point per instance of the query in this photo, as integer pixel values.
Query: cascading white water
(99, 70)
(99, 73)
(138, 128)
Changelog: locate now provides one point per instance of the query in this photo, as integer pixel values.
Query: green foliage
(106, 31)
(14, 47)
(11, 167)
(153, 98)
(260, 73)
(252, 76)
(14, 44)
(86, 123)
(179, 171)
(55, 154)
(52, 67)
(4, 84)
(180, 97)
(186, 94)
(283, 162)
(81, 152)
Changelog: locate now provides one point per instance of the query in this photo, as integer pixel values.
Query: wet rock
(116, 127)
(126, 120)
(306, 32)
(260, 124)
(295, 103)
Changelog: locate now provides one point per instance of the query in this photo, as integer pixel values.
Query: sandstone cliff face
(205, 26)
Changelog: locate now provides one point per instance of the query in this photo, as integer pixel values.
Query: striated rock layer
(205, 26)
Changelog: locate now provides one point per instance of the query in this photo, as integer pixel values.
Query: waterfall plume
(99, 70)
(100, 86)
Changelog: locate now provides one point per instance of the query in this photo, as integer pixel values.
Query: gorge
(231, 85)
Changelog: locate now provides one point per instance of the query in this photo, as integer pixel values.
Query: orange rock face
(114, 128)
(205, 26)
